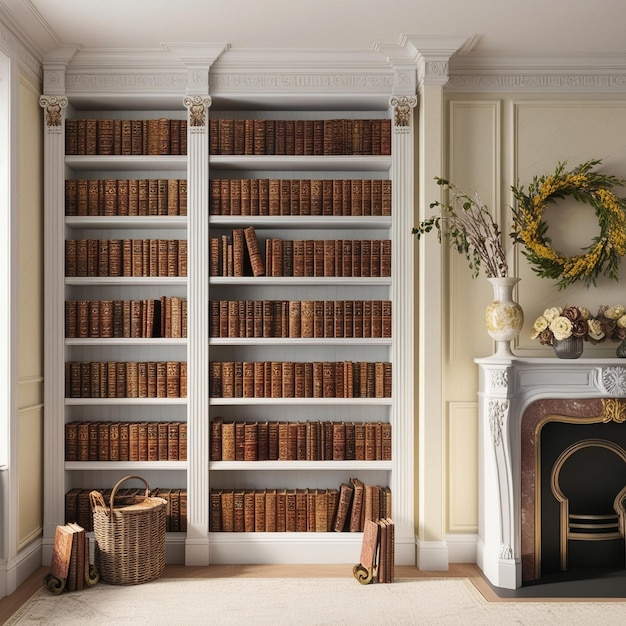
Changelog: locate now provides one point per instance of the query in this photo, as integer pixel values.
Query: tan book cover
(61, 552)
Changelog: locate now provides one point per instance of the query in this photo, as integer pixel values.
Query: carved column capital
(402, 106)
(53, 106)
(197, 106)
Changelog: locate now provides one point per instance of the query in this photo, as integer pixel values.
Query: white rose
(595, 329)
(552, 313)
(584, 312)
(561, 327)
(621, 322)
(541, 323)
(615, 312)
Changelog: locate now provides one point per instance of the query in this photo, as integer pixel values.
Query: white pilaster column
(403, 324)
(432, 56)
(54, 297)
(197, 543)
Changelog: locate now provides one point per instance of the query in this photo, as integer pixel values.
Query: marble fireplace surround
(514, 395)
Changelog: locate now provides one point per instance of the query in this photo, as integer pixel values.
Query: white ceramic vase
(504, 317)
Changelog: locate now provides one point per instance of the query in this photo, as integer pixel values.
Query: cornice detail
(288, 81)
(537, 82)
(10, 43)
(145, 82)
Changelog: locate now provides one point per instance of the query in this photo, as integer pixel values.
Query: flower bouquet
(559, 324)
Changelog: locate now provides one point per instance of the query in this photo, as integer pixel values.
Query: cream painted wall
(492, 143)
(30, 315)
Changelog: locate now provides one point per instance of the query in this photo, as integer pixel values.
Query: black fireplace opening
(582, 471)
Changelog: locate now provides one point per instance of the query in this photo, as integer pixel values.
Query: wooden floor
(11, 603)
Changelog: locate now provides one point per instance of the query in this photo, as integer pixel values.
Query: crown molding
(538, 73)
(14, 43)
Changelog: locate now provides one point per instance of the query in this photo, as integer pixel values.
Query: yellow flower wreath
(602, 256)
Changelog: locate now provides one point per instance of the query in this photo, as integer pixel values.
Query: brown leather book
(124, 442)
(228, 510)
(173, 444)
(270, 510)
(250, 441)
(383, 556)
(355, 523)
(228, 441)
(259, 511)
(238, 510)
(301, 510)
(153, 441)
(162, 446)
(281, 510)
(114, 441)
(346, 492)
(103, 441)
(254, 253)
(262, 441)
(133, 441)
(321, 510)
(240, 441)
(248, 510)
(182, 441)
(143, 443)
(215, 510)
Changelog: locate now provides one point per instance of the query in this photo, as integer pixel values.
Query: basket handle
(117, 486)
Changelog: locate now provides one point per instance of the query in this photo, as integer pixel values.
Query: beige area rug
(319, 601)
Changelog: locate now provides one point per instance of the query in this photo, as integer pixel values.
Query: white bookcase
(83, 91)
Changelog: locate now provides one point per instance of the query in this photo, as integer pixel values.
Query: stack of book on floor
(70, 568)
(377, 560)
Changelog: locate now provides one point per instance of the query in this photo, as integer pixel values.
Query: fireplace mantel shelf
(507, 387)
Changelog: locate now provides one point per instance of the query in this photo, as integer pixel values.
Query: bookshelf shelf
(301, 221)
(132, 281)
(124, 401)
(298, 341)
(165, 222)
(138, 163)
(309, 281)
(123, 341)
(134, 466)
(300, 401)
(304, 466)
(290, 163)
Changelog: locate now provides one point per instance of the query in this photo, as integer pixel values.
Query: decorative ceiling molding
(12, 43)
(538, 73)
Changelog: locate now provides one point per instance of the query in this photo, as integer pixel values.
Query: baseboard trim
(432, 556)
(462, 548)
(13, 572)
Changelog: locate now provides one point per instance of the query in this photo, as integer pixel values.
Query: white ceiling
(501, 26)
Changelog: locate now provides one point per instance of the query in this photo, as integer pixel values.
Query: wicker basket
(129, 539)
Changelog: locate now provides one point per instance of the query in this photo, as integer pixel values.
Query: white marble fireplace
(517, 396)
